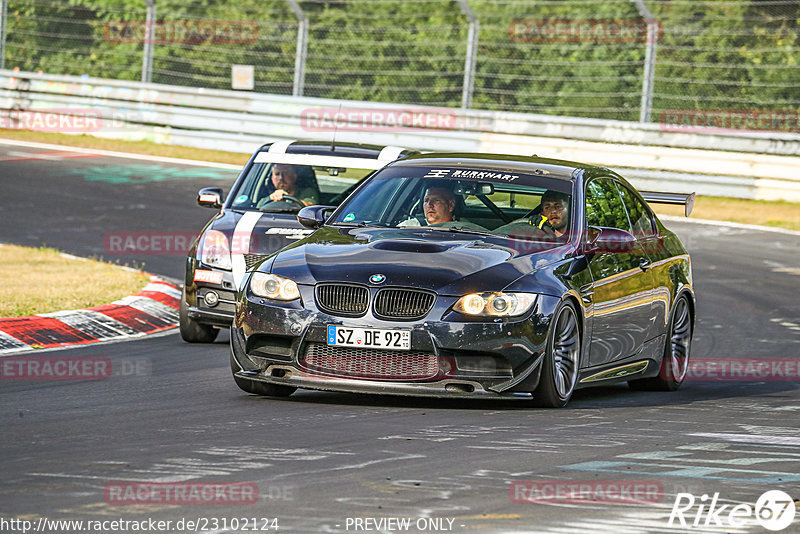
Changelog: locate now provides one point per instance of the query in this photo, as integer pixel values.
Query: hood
(259, 233)
(448, 263)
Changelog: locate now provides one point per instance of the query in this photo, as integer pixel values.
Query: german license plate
(373, 338)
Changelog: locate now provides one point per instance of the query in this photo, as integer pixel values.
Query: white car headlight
(272, 286)
(215, 250)
(495, 304)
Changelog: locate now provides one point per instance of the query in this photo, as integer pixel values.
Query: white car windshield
(309, 184)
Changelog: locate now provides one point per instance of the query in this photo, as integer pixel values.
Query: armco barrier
(762, 165)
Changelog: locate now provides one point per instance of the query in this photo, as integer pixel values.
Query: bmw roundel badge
(377, 279)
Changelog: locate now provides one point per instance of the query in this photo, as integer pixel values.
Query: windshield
(477, 201)
(308, 184)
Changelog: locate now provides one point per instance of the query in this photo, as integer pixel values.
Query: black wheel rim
(680, 340)
(566, 350)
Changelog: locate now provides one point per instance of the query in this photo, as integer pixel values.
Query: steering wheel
(290, 198)
(294, 200)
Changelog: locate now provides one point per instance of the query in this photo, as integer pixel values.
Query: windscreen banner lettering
(471, 174)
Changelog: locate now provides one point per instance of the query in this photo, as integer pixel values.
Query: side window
(638, 213)
(604, 206)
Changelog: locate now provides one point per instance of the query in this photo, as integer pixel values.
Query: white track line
(112, 154)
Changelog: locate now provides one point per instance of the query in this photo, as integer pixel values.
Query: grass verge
(779, 214)
(42, 280)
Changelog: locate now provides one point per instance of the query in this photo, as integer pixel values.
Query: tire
(677, 346)
(192, 331)
(256, 387)
(562, 360)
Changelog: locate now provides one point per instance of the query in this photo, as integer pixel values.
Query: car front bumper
(477, 359)
(201, 310)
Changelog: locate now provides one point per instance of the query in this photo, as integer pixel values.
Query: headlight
(271, 286)
(215, 250)
(495, 304)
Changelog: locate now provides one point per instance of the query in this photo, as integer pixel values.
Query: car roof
(567, 170)
(345, 150)
(322, 154)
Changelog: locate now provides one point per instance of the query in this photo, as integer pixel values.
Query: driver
(439, 206)
(284, 179)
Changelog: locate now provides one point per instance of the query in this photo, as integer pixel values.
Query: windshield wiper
(460, 230)
(353, 224)
(284, 210)
(361, 224)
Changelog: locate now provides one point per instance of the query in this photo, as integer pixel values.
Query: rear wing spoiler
(686, 200)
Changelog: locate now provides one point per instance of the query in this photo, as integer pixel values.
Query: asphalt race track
(323, 462)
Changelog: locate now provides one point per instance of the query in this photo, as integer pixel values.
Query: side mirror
(210, 197)
(603, 240)
(314, 216)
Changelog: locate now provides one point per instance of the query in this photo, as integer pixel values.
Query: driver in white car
(285, 180)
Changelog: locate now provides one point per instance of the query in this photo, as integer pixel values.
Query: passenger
(553, 218)
(555, 212)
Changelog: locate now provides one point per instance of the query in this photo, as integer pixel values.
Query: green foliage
(711, 54)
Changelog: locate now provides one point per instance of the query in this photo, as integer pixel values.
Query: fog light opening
(211, 298)
(463, 388)
(278, 373)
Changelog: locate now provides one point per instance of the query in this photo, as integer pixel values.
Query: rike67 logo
(774, 510)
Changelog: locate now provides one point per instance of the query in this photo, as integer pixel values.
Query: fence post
(149, 42)
(3, 18)
(648, 76)
(472, 52)
(302, 48)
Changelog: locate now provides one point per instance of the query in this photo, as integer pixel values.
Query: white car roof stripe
(390, 153)
(321, 161)
(279, 147)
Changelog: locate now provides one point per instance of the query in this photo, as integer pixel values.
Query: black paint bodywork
(624, 300)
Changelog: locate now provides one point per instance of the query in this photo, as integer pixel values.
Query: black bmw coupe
(472, 276)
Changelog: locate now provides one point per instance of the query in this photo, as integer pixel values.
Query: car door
(621, 282)
(648, 248)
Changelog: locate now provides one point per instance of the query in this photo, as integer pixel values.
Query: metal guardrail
(747, 165)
